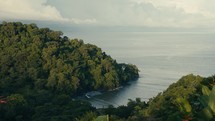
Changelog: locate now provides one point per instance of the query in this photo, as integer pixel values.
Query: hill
(192, 98)
(41, 70)
(41, 58)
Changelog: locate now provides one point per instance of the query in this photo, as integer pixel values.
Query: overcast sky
(145, 13)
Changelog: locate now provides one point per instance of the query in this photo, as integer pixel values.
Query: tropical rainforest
(42, 71)
(191, 98)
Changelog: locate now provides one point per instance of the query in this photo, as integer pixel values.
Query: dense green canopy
(40, 70)
(41, 58)
(192, 98)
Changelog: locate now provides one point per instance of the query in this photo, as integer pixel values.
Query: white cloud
(34, 10)
(204, 7)
(184, 13)
(151, 13)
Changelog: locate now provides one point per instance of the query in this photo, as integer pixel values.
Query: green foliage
(192, 98)
(102, 118)
(89, 116)
(43, 58)
(15, 108)
(183, 105)
(205, 90)
(208, 101)
(68, 111)
(123, 112)
(174, 99)
(40, 70)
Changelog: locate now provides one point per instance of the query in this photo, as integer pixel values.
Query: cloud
(34, 10)
(150, 13)
(203, 7)
(173, 13)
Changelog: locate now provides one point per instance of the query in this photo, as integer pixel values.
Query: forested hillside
(192, 98)
(41, 58)
(40, 70)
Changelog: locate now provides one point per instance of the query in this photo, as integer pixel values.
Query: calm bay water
(162, 58)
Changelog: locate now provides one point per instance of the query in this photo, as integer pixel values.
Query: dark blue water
(163, 58)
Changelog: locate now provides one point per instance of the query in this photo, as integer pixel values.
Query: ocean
(162, 58)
